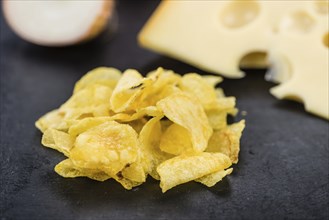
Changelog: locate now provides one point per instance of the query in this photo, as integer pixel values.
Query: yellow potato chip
(126, 183)
(219, 93)
(92, 101)
(108, 147)
(212, 80)
(224, 104)
(165, 123)
(138, 124)
(217, 118)
(198, 87)
(218, 110)
(128, 91)
(185, 168)
(53, 119)
(57, 140)
(227, 141)
(213, 178)
(126, 126)
(80, 126)
(147, 111)
(188, 113)
(67, 169)
(175, 140)
(101, 75)
(150, 144)
(134, 172)
(162, 78)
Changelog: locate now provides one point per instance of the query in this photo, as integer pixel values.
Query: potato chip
(217, 118)
(185, 168)
(108, 147)
(162, 78)
(80, 126)
(101, 75)
(126, 183)
(188, 113)
(213, 178)
(67, 169)
(129, 89)
(165, 123)
(126, 127)
(227, 141)
(218, 110)
(138, 124)
(224, 104)
(93, 100)
(57, 140)
(147, 111)
(212, 80)
(134, 172)
(219, 93)
(150, 142)
(197, 86)
(175, 140)
(53, 119)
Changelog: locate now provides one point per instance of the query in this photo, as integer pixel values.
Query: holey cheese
(218, 36)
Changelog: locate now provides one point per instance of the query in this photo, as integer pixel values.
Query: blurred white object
(58, 22)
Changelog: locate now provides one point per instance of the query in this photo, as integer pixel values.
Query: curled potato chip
(227, 141)
(138, 124)
(219, 93)
(213, 178)
(175, 140)
(188, 113)
(185, 168)
(198, 87)
(147, 111)
(53, 119)
(92, 101)
(224, 104)
(80, 126)
(102, 75)
(150, 137)
(108, 147)
(129, 89)
(212, 80)
(218, 110)
(126, 183)
(134, 172)
(67, 169)
(57, 140)
(163, 78)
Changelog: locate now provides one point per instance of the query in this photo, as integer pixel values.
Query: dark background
(283, 167)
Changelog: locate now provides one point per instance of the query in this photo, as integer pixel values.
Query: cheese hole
(237, 14)
(294, 97)
(298, 22)
(322, 6)
(326, 39)
(254, 60)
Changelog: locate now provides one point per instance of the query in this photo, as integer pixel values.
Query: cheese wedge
(221, 36)
(214, 35)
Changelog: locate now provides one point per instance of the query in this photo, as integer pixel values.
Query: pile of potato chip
(125, 126)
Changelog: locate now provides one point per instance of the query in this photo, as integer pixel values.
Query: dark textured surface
(283, 168)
